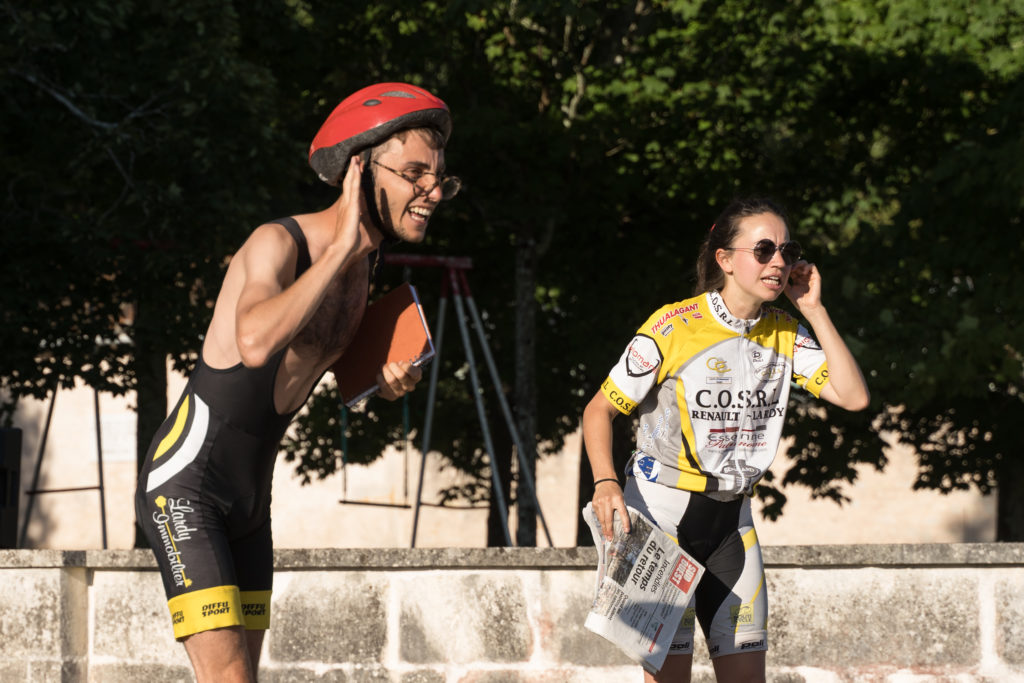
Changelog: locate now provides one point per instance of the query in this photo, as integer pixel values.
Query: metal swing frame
(35, 490)
(455, 283)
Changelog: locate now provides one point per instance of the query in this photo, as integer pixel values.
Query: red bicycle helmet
(369, 117)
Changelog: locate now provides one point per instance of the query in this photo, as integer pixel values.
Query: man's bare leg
(254, 641)
(228, 654)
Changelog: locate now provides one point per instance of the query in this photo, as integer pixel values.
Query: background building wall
(883, 507)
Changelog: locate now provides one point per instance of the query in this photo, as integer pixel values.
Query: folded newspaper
(644, 582)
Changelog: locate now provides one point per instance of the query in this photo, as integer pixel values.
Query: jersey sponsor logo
(745, 398)
(741, 615)
(740, 468)
(752, 644)
(172, 525)
(744, 475)
(750, 437)
(683, 574)
(715, 415)
(718, 365)
(718, 306)
(821, 379)
(803, 342)
(671, 314)
(178, 617)
(646, 468)
(211, 609)
(254, 609)
(767, 413)
(731, 439)
(668, 330)
(623, 403)
(642, 357)
(771, 372)
(683, 646)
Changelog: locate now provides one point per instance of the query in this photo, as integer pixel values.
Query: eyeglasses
(765, 249)
(450, 185)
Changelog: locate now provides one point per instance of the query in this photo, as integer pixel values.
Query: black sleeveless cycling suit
(203, 497)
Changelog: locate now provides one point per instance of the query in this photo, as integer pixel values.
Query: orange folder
(393, 328)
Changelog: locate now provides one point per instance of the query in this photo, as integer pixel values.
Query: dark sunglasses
(765, 249)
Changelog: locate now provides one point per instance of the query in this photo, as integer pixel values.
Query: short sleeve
(810, 370)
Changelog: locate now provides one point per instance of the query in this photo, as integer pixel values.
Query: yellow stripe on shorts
(172, 436)
(205, 609)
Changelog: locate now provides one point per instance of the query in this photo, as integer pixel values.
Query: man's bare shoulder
(271, 246)
(268, 234)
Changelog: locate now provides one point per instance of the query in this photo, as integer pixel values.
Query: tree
(594, 131)
(597, 143)
(128, 179)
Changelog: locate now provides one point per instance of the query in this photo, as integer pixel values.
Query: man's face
(405, 206)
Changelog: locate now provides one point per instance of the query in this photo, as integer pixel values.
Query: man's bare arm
(270, 312)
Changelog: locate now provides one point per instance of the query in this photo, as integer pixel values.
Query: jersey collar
(721, 313)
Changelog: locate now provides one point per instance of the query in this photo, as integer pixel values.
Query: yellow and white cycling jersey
(711, 390)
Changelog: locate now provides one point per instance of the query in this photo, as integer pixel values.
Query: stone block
(12, 669)
(133, 673)
(44, 615)
(42, 671)
(30, 602)
(132, 623)
(492, 677)
(65, 672)
(302, 675)
(370, 674)
(422, 676)
(842, 618)
(558, 613)
(462, 618)
(555, 674)
(311, 673)
(1010, 617)
(329, 617)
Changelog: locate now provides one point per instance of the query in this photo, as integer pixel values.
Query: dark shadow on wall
(977, 525)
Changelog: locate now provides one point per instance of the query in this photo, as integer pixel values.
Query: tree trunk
(151, 394)
(1009, 502)
(503, 457)
(526, 387)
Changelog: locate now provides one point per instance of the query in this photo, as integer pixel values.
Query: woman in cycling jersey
(709, 378)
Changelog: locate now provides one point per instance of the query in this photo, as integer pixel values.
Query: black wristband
(606, 479)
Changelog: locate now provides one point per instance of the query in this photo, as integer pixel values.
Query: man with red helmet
(291, 299)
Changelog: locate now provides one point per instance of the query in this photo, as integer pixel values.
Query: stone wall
(838, 613)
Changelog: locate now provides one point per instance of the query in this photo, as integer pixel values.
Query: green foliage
(599, 139)
(129, 171)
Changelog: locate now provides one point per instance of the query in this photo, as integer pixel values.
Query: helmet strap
(369, 187)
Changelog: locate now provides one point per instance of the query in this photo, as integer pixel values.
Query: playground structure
(455, 284)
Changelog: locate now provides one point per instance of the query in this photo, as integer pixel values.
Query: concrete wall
(838, 613)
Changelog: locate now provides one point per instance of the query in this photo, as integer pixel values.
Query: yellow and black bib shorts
(203, 497)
